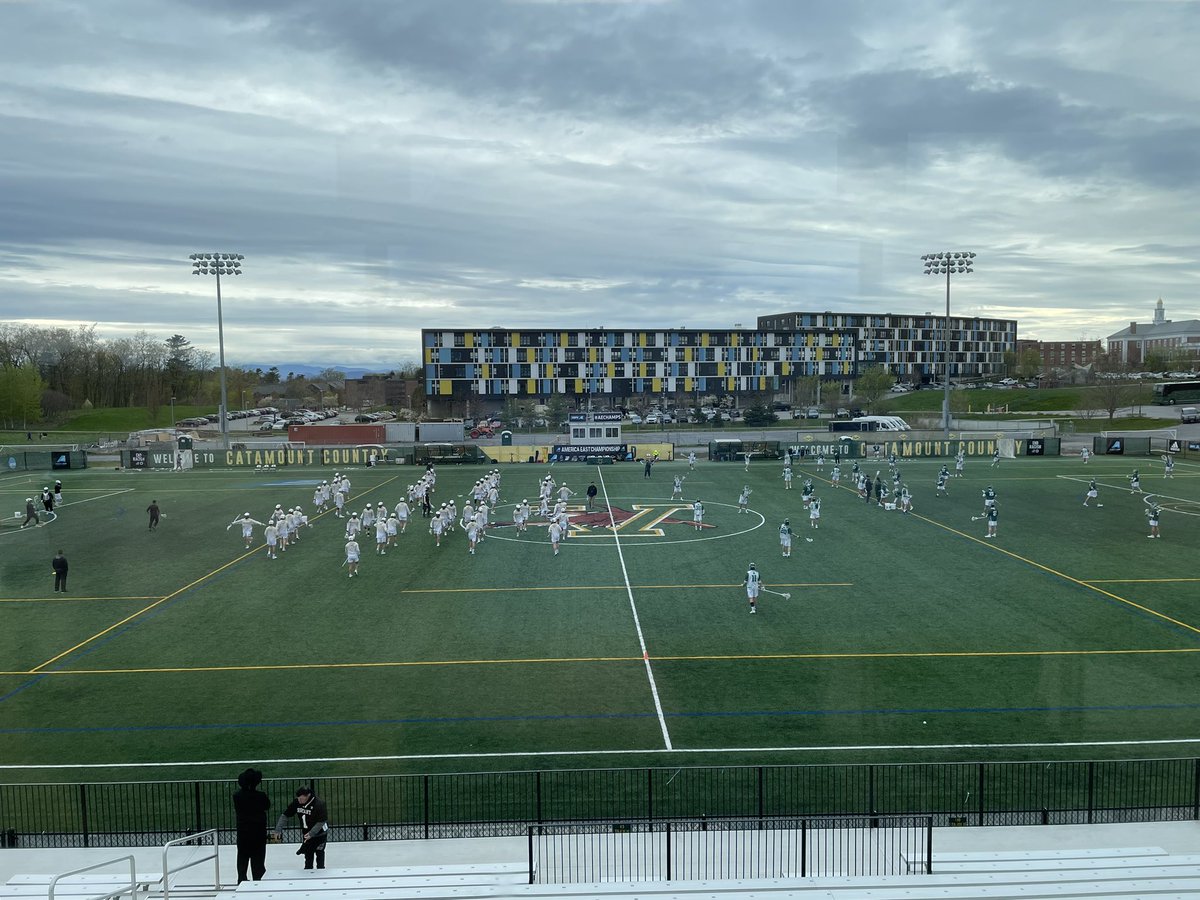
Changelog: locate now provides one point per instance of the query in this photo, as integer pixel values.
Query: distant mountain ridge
(309, 371)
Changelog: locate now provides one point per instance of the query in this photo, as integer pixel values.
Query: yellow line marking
(933, 654)
(1138, 580)
(160, 601)
(365, 665)
(141, 611)
(1061, 575)
(615, 587)
(65, 599)
(937, 654)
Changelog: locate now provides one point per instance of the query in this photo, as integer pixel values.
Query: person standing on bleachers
(314, 825)
(250, 806)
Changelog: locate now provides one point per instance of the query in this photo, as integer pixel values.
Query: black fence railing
(738, 848)
(390, 807)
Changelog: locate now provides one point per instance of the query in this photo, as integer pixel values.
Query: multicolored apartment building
(612, 364)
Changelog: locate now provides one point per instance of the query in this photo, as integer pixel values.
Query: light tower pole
(219, 264)
(956, 262)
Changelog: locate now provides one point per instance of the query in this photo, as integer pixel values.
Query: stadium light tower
(219, 264)
(956, 262)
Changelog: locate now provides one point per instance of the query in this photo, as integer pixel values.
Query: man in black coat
(59, 565)
(251, 805)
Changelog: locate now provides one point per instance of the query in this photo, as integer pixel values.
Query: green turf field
(1070, 635)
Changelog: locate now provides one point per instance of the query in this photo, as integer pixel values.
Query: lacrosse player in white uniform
(785, 538)
(752, 583)
(271, 533)
(247, 524)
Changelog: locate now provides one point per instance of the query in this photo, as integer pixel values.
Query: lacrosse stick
(784, 595)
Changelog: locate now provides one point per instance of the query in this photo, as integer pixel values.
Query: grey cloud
(654, 62)
(903, 118)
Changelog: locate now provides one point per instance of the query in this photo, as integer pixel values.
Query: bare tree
(831, 394)
(872, 385)
(1114, 393)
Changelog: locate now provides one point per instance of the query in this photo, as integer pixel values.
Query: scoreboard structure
(595, 429)
(594, 437)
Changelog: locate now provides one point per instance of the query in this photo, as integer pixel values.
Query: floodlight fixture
(948, 262)
(219, 264)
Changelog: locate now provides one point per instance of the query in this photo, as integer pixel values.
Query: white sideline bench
(1166, 882)
(895, 888)
(1051, 865)
(1052, 854)
(969, 861)
(372, 886)
(78, 885)
(499, 868)
(142, 878)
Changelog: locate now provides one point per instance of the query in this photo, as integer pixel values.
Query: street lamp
(219, 264)
(957, 262)
(172, 413)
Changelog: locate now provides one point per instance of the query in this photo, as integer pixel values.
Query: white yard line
(10, 532)
(101, 497)
(815, 748)
(662, 721)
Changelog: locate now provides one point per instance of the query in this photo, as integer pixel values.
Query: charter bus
(1168, 393)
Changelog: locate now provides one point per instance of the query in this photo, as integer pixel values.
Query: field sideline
(177, 653)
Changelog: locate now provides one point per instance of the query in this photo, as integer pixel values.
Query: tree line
(46, 372)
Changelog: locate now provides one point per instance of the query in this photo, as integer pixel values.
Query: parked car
(652, 418)
(842, 413)
(813, 412)
(635, 419)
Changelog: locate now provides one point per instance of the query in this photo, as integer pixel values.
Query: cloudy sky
(388, 166)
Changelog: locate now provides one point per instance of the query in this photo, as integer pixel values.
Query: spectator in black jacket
(314, 825)
(251, 805)
(59, 565)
